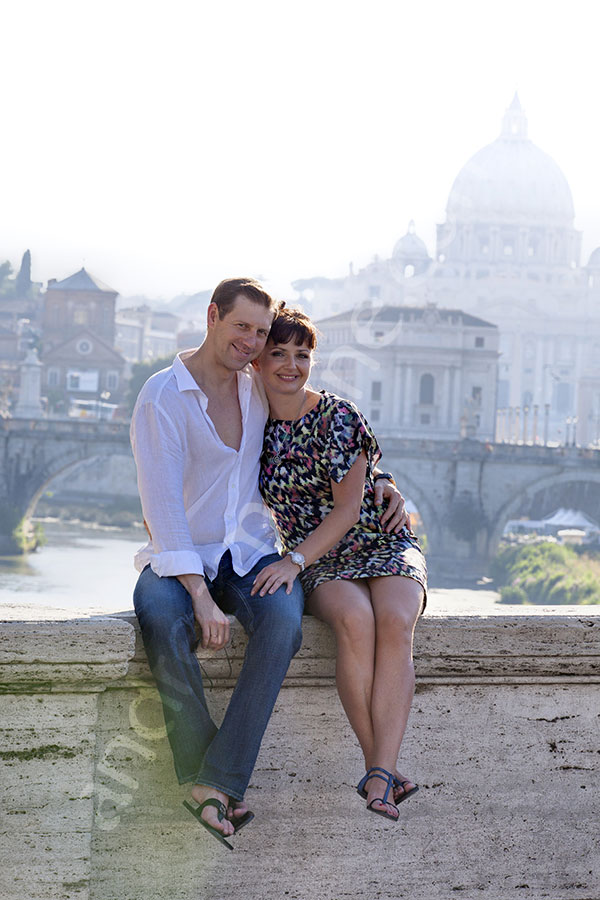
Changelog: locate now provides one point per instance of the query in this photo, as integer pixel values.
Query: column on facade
(407, 395)
(444, 419)
(457, 398)
(398, 393)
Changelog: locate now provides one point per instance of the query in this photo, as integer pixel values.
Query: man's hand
(214, 624)
(394, 516)
(269, 579)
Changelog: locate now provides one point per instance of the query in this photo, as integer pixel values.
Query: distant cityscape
(494, 336)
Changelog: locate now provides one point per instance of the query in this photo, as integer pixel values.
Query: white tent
(571, 518)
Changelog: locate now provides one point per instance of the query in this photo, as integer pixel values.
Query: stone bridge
(34, 451)
(465, 491)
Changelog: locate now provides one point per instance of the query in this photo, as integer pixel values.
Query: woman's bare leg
(396, 604)
(346, 607)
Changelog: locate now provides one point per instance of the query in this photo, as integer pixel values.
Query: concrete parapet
(503, 738)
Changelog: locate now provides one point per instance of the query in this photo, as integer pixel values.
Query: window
(476, 393)
(426, 389)
(376, 391)
(53, 377)
(375, 415)
(80, 316)
(425, 419)
(480, 342)
(84, 346)
(78, 380)
(374, 292)
(112, 381)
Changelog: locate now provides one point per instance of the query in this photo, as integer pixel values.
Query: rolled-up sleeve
(159, 452)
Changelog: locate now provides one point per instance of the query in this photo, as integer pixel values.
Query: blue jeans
(224, 757)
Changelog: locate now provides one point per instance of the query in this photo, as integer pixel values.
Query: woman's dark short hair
(226, 291)
(293, 324)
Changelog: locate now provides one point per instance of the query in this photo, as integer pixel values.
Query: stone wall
(503, 739)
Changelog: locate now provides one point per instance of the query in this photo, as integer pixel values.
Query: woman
(317, 476)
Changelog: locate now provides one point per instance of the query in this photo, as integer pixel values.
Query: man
(196, 432)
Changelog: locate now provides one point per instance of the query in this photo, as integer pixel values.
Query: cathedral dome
(511, 181)
(410, 247)
(594, 260)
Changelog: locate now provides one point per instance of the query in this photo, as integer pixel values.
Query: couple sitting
(204, 459)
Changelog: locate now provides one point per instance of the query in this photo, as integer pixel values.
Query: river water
(86, 570)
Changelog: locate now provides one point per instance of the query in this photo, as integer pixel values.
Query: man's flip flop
(196, 811)
(242, 820)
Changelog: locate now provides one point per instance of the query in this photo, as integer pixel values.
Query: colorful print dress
(299, 459)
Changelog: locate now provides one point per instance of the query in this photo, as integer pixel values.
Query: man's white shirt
(199, 496)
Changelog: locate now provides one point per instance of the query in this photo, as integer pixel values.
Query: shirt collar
(186, 381)
(183, 377)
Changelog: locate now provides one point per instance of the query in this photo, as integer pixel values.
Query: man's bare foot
(210, 814)
(236, 809)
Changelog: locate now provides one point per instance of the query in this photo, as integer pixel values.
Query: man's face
(241, 335)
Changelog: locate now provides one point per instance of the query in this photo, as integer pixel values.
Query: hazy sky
(165, 145)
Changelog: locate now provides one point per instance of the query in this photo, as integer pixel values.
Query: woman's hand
(269, 579)
(394, 516)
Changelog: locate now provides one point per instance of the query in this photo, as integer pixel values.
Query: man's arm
(160, 464)
(394, 516)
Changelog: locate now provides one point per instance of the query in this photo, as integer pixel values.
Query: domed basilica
(507, 256)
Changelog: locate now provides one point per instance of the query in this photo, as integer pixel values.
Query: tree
(23, 279)
(140, 373)
(6, 287)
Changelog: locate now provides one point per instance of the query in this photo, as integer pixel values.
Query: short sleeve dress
(299, 460)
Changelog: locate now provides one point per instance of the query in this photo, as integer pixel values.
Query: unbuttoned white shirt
(199, 496)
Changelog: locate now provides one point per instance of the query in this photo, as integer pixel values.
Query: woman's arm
(347, 499)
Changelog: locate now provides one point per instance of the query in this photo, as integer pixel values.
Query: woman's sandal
(389, 779)
(196, 811)
(398, 798)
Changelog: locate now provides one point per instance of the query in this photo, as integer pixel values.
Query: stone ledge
(74, 652)
(78, 654)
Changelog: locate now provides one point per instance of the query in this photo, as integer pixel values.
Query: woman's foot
(210, 814)
(402, 787)
(376, 787)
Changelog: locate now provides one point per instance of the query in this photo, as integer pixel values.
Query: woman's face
(285, 367)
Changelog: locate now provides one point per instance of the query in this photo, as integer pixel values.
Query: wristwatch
(387, 475)
(297, 559)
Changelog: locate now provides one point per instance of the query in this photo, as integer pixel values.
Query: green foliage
(512, 594)
(7, 287)
(21, 533)
(546, 573)
(23, 279)
(466, 517)
(140, 373)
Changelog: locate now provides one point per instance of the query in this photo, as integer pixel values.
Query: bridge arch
(409, 488)
(511, 508)
(58, 466)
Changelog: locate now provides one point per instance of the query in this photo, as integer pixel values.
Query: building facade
(507, 252)
(416, 371)
(80, 363)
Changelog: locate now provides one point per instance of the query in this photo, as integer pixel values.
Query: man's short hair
(226, 291)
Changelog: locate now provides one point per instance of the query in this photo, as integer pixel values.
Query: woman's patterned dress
(299, 459)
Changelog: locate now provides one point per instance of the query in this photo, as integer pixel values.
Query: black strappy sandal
(196, 811)
(389, 780)
(405, 794)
